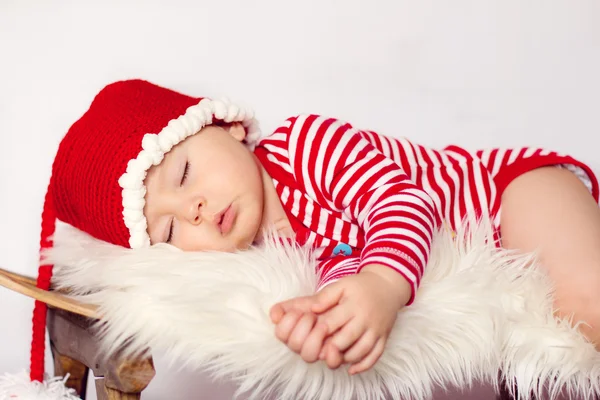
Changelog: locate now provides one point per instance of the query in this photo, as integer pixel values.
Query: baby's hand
(357, 314)
(296, 326)
(360, 311)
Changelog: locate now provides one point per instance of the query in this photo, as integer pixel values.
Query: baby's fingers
(348, 335)
(286, 325)
(301, 331)
(299, 304)
(313, 345)
(370, 359)
(337, 317)
(328, 297)
(276, 313)
(333, 357)
(361, 348)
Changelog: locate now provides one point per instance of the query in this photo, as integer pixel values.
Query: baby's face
(207, 193)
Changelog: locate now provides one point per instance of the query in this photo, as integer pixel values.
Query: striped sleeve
(340, 169)
(333, 268)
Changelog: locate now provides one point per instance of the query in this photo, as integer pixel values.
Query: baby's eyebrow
(168, 174)
(164, 165)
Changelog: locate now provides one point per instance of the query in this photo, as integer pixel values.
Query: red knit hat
(97, 182)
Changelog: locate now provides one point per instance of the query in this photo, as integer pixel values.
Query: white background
(474, 73)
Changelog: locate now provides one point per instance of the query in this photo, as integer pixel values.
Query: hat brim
(27, 286)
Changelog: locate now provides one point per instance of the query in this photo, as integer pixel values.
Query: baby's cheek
(194, 239)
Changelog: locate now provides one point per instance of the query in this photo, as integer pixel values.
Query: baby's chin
(235, 241)
(246, 242)
(248, 230)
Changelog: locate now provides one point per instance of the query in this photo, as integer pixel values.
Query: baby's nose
(196, 208)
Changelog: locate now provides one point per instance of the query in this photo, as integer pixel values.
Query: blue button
(342, 248)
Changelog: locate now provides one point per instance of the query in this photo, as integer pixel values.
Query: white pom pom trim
(20, 387)
(154, 146)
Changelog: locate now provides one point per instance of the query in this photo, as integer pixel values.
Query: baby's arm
(341, 169)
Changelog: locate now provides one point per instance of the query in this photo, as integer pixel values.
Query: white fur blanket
(478, 311)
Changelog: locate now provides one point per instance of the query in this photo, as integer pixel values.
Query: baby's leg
(550, 210)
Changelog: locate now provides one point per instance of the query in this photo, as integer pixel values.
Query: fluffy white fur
(479, 310)
(21, 388)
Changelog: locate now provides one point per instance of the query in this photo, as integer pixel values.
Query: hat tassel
(38, 343)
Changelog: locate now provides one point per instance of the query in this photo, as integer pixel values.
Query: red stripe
(403, 150)
(299, 150)
(492, 160)
(486, 185)
(316, 213)
(462, 209)
(406, 214)
(327, 265)
(389, 143)
(447, 180)
(280, 158)
(504, 161)
(394, 188)
(346, 233)
(340, 164)
(408, 210)
(302, 210)
(401, 236)
(433, 183)
(351, 183)
(312, 160)
(274, 170)
(330, 223)
(386, 214)
(410, 262)
(375, 140)
(418, 171)
(474, 191)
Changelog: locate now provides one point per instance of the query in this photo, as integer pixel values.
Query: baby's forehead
(155, 170)
(152, 172)
(154, 175)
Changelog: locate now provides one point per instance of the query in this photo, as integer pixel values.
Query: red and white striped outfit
(358, 197)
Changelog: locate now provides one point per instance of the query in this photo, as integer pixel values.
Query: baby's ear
(237, 130)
